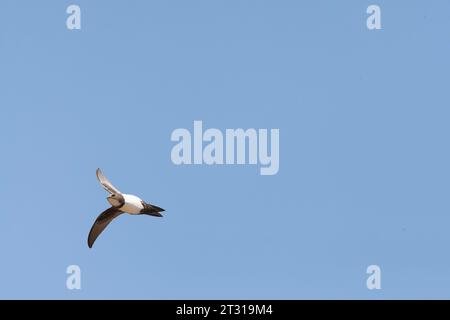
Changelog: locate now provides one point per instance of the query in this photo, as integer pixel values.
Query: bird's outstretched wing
(105, 183)
(101, 223)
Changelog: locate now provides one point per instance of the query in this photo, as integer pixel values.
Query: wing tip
(91, 239)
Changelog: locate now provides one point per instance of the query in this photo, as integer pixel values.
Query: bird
(120, 203)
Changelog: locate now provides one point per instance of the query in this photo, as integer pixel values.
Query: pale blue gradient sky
(364, 159)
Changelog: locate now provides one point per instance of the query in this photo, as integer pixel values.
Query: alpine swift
(121, 203)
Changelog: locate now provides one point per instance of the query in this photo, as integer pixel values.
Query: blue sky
(363, 118)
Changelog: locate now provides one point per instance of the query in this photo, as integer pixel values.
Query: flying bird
(121, 203)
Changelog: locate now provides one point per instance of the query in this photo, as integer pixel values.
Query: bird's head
(116, 200)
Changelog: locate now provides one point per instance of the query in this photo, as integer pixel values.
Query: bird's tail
(152, 210)
(158, 209)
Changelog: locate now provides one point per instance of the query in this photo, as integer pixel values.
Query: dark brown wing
(101, 223)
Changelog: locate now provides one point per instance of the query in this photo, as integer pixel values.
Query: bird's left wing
(108, 186)
(101, 223)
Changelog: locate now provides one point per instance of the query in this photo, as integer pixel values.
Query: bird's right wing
(101, 223)
(108, 186)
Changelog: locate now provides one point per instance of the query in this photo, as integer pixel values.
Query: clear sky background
(364, 159)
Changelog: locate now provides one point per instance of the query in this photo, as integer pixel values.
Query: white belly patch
(132, 204)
